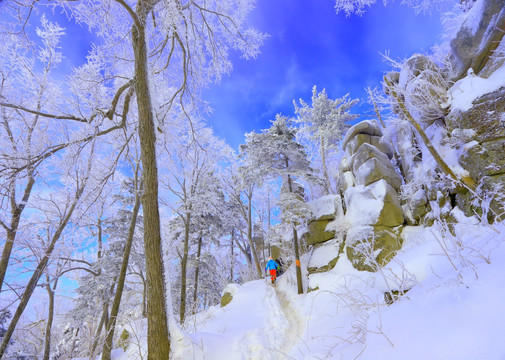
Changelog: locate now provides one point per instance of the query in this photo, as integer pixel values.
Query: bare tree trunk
(144, 297)
(232, 257)
(16, 210)
(295, 240)
(197, 270)
(158, 347)
(327, 184)
(249, 234)
(103, 321)
(107, 346)
(50, 316)
(370, 94)
(184, 265)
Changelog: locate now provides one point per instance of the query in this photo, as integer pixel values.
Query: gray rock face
(485, 159)
(485, 117)
(472, 47)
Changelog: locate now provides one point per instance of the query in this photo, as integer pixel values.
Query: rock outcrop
(484, 124)
(325, 233)
(373, 208)
(369, 232)
(476, 41)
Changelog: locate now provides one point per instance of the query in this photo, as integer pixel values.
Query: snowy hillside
(453, 310)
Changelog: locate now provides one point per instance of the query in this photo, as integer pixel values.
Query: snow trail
(296, 324)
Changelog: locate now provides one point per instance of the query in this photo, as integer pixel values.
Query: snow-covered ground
(453, 310)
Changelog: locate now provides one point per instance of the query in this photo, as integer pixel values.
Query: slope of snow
(454, 309)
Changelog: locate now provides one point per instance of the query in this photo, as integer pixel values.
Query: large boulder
(391, 213)
(365, 152)
(360, 139)
(414, 67)
(373, 170)
(375, 204)
(324, 256)
(369, 247)
(476, 41)
(368, 127)
(317, 232)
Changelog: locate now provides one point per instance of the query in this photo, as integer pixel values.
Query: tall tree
(111, 324)
(276, 153)
(240, 186)
(162, 42)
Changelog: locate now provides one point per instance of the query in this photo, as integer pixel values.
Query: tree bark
(249, 234)
(107, 346)
(297, 251)
(101, 324)
(184, 265)
(197, 271)
(327, 184)
(158, 347)
(17, 210)
(232, 257)
(50, 316)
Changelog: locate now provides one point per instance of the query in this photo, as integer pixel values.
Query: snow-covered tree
(192, 180)
(325, 123)
(142, 44)
(275, 153)
(420, 6)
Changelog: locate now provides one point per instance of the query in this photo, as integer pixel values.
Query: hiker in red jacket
(272, 266)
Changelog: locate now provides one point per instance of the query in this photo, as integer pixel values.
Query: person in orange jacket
(272, 266)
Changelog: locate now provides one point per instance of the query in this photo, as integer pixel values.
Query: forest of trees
(114, 195)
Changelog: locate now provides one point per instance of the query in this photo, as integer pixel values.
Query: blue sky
(310, 45)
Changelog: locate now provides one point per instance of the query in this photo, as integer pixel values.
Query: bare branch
(52, 116)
